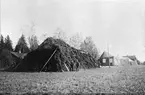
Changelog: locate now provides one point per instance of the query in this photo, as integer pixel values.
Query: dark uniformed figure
(71, 66)
(77, 66)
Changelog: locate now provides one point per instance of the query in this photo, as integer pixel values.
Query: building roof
(19, 55)
(105, 55)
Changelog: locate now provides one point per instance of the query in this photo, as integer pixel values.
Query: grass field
(129, 79)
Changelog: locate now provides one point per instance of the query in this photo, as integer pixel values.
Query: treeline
(21, 46)
(86, 45)
(6, 43)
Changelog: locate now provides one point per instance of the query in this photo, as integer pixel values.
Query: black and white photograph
(72, 47)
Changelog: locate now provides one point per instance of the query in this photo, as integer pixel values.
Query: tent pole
(48, 60)
(66, 67)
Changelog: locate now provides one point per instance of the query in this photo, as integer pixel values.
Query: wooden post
(108, 56)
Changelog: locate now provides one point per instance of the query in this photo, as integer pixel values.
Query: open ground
(130, 79)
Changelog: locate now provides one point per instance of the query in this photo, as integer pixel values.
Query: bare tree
(89, 46)
(33, 42)
(76, 41)
(59, 34)
(32, 27)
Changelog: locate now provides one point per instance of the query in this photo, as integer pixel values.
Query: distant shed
(106, 59)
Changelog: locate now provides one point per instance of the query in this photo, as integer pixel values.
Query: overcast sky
(120, 23)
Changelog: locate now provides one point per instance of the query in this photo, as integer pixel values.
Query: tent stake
(48, 60)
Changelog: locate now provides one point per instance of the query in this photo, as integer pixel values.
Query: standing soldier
(77, 66)
(71, 66)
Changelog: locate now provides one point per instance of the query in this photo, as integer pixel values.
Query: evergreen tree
(8, 44)
(1, 42)
(21, 46)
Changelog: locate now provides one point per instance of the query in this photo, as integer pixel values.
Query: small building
(106, 59)
(19, 55)
(9, 59)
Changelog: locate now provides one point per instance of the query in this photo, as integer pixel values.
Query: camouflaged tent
(9, 59)
(54, 55)
(6, 59)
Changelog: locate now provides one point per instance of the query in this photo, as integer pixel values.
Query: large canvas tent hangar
(124, 61)
(121, 61)
(56, 56)
(134, 59)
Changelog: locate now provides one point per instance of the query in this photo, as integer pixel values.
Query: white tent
(123, 61)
